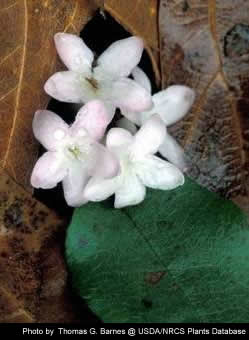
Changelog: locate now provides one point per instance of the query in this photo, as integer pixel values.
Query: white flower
(73, 155)
(171, 104)
(106, 81)
(139, 167)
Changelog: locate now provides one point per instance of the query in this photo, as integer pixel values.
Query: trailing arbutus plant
(145, 243)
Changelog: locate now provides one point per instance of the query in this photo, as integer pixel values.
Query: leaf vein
(18, 95)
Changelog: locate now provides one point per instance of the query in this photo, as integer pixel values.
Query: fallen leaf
(139, 17)
(27, 58)
(205, 45)
(179, 256)
(32, 271)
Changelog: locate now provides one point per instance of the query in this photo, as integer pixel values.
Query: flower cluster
(125, 163)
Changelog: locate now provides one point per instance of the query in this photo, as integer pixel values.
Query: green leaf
(180, 256)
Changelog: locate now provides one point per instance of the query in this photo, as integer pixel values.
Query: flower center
(93, 82)
(79, 151)
(75, 152)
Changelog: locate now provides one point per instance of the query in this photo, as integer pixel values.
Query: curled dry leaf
(205, 44)
(32, 272)
(27, 59)
(139, 17)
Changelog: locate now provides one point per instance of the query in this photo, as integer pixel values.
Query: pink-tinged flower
(107, 81)
(171, 104)
(74, 154)
(139, 167)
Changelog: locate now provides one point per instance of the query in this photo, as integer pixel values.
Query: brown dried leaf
(32, 272)
(27, 59)
(205, 44)
(139, 17)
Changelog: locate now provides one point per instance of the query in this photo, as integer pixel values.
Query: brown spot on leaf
(236, 41)
(147, 303)
(13, 216)
(154, 278)
(185, 6)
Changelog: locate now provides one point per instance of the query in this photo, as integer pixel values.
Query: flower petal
(70, 87)
(134, 117)
(174, 153)
(93, 118)
(158, 174)
(49, 170)
(111, 109)
(74, 53)
(49, 129)
(127, 94)
(141, 78)
(100, 189)
(102, 162)
(173, 103)
(74, 184)
(126, 124)
(118, 137)
(121, 57)
(131, 192)
(149, 137)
